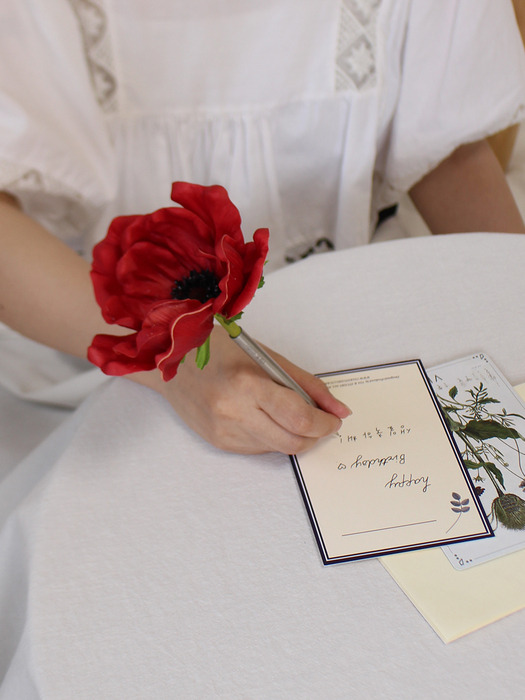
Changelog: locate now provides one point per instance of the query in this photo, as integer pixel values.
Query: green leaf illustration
(486, 429)
(515, 415)
(452, 424)
(492, 468)
(488, 466)
(453, 392)
(473, 465)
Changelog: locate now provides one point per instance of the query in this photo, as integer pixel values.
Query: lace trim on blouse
(95, 36)
(356, 46)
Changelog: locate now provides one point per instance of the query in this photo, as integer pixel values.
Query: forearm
(45, 288)
(46, 294)
(468, 192)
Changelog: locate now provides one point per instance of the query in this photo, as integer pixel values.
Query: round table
(139, 562)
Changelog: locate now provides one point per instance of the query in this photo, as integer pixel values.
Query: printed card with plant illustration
(487, 419)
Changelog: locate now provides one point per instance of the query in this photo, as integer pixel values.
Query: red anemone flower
(166, 274)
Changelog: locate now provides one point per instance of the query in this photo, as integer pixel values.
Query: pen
(264, 360)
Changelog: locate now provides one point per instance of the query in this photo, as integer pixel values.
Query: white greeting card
(392, 479)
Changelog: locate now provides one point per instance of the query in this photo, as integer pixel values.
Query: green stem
(474, 454)
(233, 329)
(495, 483)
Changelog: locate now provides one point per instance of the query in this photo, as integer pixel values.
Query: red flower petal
(115, 355)
(147, 271)
(168, 333)
(212, 205)
(136, 266)
(187, 331)
(242, 284)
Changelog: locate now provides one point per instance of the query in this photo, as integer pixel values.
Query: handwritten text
(396, 482)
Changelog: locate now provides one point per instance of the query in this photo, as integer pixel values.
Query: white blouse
(312, 114)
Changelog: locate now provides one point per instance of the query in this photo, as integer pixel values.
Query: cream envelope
(458, 602)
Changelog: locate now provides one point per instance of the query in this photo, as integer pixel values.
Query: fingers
(234, 405)
(255, 432)
(295, 416)
(314, 387)
(250, 413)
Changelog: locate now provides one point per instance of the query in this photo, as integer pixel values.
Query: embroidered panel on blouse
(355, 69)
(356, 46)
(93, 22)
(355, 61)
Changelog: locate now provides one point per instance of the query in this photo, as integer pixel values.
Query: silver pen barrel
(269, 365)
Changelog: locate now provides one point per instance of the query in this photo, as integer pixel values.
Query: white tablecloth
(138, 562)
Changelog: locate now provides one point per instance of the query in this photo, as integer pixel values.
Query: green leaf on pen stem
(203, 354)
(234, 318)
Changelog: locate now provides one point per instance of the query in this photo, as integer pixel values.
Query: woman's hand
(47, 295)
(234, 405)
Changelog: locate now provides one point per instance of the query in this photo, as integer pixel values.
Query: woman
(313, 119)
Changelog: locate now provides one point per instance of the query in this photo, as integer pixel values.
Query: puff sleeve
(55, 152)
(462, 77)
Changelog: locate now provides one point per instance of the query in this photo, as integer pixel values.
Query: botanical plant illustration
(479, 428)
(460, 506)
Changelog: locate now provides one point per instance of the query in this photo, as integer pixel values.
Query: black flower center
(201, 285)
